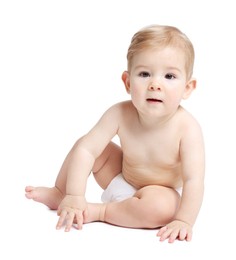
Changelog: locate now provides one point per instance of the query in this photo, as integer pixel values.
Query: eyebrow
(147, 67)
(141, 67)
(173, 68)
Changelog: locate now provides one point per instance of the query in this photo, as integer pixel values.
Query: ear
(126, 80)
(191, 85)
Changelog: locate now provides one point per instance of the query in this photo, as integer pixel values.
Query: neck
(150, 122)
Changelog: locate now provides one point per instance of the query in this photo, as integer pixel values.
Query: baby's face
(158, 79)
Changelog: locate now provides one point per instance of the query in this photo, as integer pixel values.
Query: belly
(140, 176)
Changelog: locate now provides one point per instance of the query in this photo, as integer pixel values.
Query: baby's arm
(192, 157)
(80, 164)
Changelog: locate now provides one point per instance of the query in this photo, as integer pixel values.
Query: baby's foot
(50, 197)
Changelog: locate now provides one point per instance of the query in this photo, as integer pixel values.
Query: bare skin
(50, 197)
(161, 149)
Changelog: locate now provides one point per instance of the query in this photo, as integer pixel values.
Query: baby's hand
(175, 230)
(72, 208)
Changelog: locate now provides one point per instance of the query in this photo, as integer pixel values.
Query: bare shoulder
(124, 105)
(117, 113)
(190, 127)
(188, 121)
(123, 109)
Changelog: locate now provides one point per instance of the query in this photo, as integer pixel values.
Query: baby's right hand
(72, 208)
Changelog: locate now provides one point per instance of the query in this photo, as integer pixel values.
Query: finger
(79, 219)
(61, 219)
(69, 221)
(183, 234)
(172, 237)
(166, 234)
(161, 231)
(85, 214)
(189, 236)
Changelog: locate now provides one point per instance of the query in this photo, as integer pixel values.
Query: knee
(160, 208)
(160, 213)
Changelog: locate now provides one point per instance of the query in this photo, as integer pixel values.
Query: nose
(154, 87)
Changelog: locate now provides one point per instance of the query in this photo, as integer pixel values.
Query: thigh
(158, 193)
(159, 203)
(108, 165)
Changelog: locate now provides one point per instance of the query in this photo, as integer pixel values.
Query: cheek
(139, 84)
(135, 88)
(137, 95)
(174, 98)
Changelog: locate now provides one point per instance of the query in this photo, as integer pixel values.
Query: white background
(60, 69)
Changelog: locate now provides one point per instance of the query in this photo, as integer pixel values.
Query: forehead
(173, 56)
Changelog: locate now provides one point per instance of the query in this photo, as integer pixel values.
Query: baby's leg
(108, 165)
(51, 197)
(105, 168)
(151, 207)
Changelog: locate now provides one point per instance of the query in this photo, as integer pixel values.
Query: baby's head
(160, 36)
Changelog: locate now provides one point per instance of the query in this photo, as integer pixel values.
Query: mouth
(154, 100)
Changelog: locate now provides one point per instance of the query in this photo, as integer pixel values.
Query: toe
(29, 188)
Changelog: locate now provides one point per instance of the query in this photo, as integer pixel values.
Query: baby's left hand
(175, 230)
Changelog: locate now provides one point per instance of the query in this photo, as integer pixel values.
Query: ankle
(102, 212)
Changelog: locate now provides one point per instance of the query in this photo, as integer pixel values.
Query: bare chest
(151, 149)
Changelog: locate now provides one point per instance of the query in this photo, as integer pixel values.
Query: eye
(144, 74)
(170, 76)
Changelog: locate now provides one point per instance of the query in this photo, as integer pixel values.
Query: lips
(155, 100)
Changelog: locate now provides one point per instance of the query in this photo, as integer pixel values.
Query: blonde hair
(159, 36)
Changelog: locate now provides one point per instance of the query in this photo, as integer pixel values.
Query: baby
(155, 178)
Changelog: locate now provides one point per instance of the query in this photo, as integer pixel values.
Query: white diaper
(118, 189)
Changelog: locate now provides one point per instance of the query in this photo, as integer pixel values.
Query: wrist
(184, 221)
